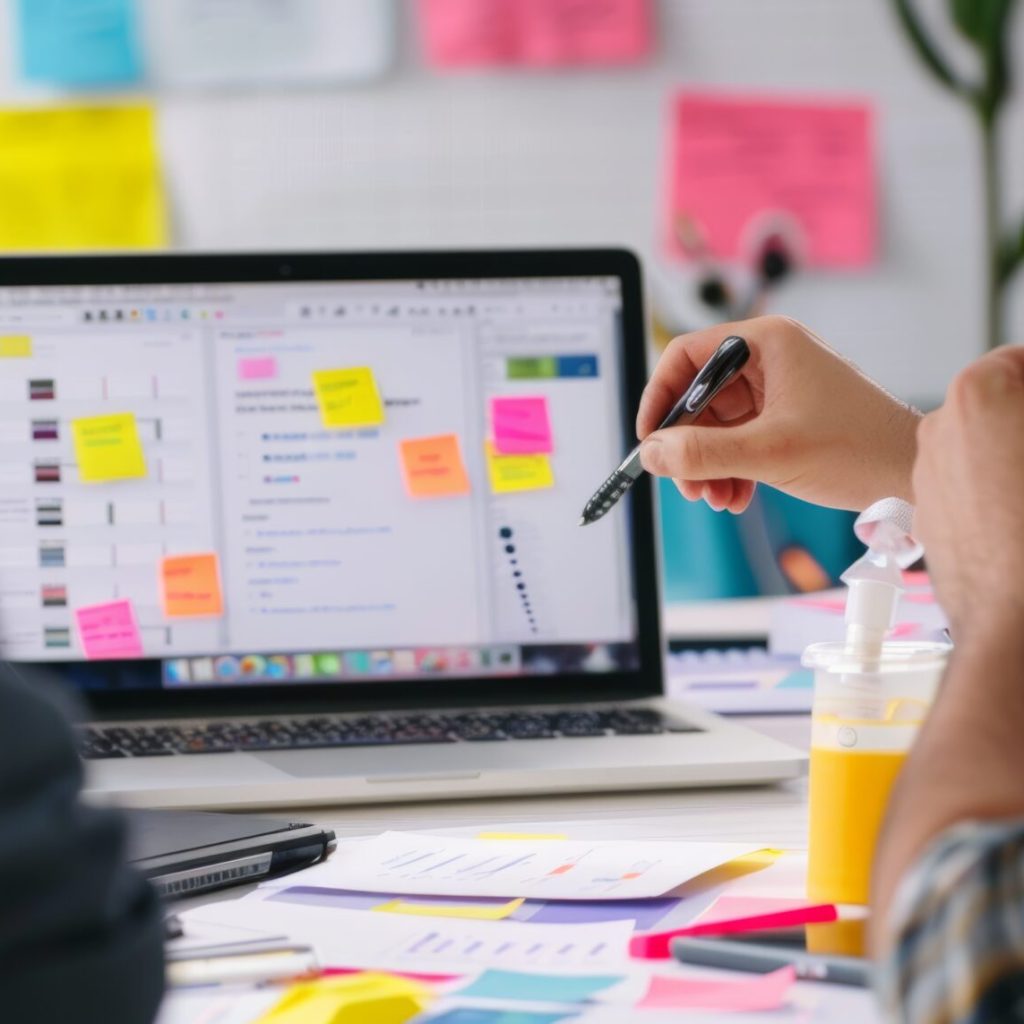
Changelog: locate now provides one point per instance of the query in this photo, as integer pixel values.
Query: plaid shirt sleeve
(958, 928)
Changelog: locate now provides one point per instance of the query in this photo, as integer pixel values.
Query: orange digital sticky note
(190, 586)
(433, 467)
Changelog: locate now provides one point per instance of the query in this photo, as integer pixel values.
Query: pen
(727, 361)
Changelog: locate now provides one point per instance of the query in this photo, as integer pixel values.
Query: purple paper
(646, 913)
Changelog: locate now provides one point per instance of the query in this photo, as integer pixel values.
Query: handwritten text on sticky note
(740, 164)
(257, 368)
(510, 473)
(472, 33)
(109, 630)
(190, 585)
(108, 448)
(521, 426)
(15, 346)
(348, 398)
(433, 467)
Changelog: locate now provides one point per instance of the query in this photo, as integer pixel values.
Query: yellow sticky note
(510, 473)
(474, 912)
(521, 835)
(348, 398)
(15, 346)
(80, 178)
(108, 448)
(364, 998)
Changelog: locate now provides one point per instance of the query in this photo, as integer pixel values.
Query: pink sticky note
(740, 166)
(109, 630)
(763, 992)
(257, 368)
(521, 426)
(481, 33)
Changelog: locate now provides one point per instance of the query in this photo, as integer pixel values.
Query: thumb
(705, 453)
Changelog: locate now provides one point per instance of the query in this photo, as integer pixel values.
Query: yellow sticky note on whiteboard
(84, 177)
(108, 448)
(348, 398)
(509, 473)
(15, 346)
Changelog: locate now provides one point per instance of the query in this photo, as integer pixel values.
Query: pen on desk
(727, 361)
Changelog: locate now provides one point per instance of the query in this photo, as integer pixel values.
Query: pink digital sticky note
(742, 166)
(546, 33)
(257, 368)
(109, 630)
(521, 426)
(762, 992)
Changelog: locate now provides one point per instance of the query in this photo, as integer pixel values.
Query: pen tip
(582, 522)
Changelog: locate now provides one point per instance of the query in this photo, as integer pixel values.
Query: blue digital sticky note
(538, 988)
(79, 43)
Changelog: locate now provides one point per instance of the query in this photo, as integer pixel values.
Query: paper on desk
(223, 1004)
(739, 160)
(354, 938)
(410, 863)
(80, 178)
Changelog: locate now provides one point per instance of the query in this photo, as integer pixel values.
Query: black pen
(726, 362)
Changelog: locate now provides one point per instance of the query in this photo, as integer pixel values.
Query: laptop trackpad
(391, 761)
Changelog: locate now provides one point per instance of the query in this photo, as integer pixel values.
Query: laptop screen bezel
(437, 691)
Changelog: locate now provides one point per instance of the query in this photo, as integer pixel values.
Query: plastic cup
(867, 712)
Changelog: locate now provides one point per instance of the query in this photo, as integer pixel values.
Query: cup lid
(897, 656)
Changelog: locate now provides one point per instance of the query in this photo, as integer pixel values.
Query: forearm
(967, 765)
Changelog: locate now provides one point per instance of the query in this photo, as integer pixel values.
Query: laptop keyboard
(372, 731)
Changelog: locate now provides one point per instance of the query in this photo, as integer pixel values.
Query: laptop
(302, 529)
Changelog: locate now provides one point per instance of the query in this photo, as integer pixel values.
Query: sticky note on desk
(76, 44)
(521, 426)
(539, 988)
(108, 448)
(80, 178)
(190, 586)
(467, 911)
(349, 397)
(468, 33)
(15, 346)
(739, 162)
(362, 998)
(109, 630)
(433, 467)
(511, 473)
(763, 992)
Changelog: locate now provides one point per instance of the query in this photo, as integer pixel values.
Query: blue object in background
(712, 555)
(79, 43)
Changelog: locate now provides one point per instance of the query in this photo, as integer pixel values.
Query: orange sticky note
(433, 467)
(190, 586)
(741, 166)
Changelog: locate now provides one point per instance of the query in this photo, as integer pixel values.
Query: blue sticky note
(800, 680)
(79, 43)
(538, 988)
(466, 1015)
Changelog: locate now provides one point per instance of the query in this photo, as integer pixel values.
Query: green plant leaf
(969, 16)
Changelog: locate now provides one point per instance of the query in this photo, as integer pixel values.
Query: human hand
(969, 487)
(799, 417)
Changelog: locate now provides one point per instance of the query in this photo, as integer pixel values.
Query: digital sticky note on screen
(433, 467)
(108, 448)
(348, 398)
(511, 473)
(109, 630)
(15, 346)
(521, 425)
(190, 585)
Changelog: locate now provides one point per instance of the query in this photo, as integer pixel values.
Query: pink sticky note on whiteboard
(738, 163)
(257, 368)
(521, 426)
(763, 992)
(547, 33)
(109, 630)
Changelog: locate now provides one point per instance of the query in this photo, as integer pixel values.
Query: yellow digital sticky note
(510, 473)
(15, 346)
(348, 398)
(76, 177)
(521, 835)
(108, 448)
(471, 911)
(363, 998)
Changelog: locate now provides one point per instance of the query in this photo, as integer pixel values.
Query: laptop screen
(349, 481)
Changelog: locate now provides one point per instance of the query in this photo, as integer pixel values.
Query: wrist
(901, 436)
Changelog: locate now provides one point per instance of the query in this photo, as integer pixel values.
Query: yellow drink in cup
(866, 716)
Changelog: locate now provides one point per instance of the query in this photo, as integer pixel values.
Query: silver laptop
(303, 529)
